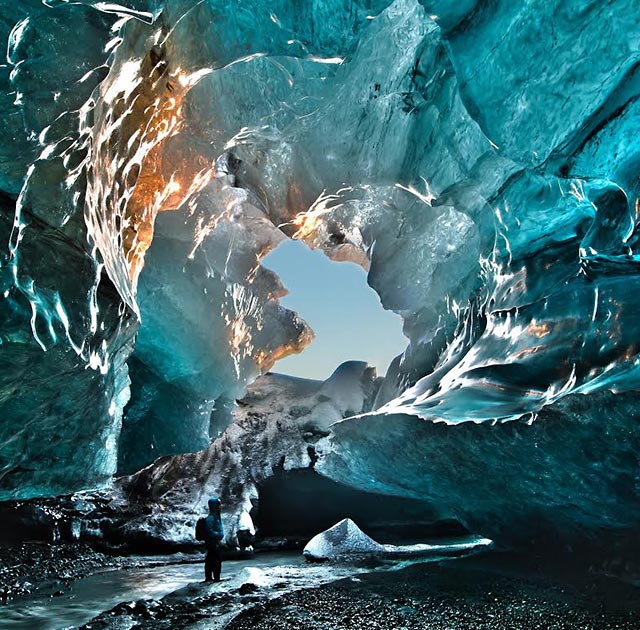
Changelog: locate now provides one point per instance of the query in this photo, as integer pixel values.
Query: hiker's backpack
(201, 529)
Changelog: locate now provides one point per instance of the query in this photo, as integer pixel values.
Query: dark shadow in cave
(299, 504)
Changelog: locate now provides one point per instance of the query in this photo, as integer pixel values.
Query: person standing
(211, 531)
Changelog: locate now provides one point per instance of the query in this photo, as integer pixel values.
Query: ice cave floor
(281, 590)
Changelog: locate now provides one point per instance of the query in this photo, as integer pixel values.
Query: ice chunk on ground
(346, 540)
(343, 539)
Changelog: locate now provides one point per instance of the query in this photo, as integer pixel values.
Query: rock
(248, 588)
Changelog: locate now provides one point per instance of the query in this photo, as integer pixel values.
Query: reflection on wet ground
(92, 595)
(270, 574)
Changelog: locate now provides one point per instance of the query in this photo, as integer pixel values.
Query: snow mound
(346, 540)
(343, 539)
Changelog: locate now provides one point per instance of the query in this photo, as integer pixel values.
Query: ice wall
(210, 323)
(97, 145)
(477, 159)
(66, 330)
(567, 481)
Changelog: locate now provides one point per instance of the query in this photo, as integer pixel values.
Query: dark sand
(492, 591)
(465, 594)
(28, 566)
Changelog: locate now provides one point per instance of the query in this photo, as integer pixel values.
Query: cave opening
(344, 312)
(297, 504)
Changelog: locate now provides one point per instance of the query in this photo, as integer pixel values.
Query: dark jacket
(214, 529)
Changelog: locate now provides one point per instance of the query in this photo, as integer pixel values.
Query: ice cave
(179, 182)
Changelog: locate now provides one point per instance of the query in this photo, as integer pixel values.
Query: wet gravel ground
(451, 596)
(489, 591)
(28, 566)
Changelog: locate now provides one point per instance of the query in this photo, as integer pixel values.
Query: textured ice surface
(210, 321)
(60, 410)
(570, 474)
(478, 159)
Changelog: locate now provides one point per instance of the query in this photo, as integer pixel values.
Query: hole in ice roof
(344, 312)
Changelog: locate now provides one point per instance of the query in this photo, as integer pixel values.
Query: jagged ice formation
(478, 160)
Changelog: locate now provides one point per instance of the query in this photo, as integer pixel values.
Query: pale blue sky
(342, 309)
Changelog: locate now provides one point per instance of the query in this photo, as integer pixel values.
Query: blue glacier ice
(477, 159)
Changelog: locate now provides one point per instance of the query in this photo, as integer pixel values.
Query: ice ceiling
(478, 159)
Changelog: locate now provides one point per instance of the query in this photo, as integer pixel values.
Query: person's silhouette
(214, 533)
